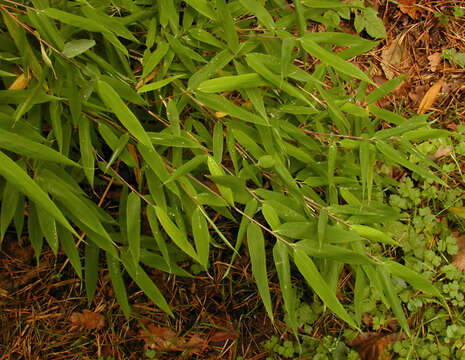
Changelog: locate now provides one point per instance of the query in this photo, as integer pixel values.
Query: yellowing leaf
(430, 97)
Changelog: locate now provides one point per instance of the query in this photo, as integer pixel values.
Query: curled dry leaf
(459, 258)
(374, 345)
(393, 57)
(409, 7)
(430, 97)
(434, 61)
(20, 83)
(164, 339)
(441, 152)
(88, 319)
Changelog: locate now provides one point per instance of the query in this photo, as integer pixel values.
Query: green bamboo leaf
(172, 114)
(111, 23)
(227, 22)
(169, 14)
(133, 213)
(49, 229)
(338, 38)
(74, 48)
(205, 37)
(16, 175)
(271, 216)
(330, 4)
(396, 157)
(230, 83)
(203, 7)
(333, 252)
(30, 100)
(187, 167)
(257, 63)
(218, 62)
(373, 234)
(7, 74)
(248, 143)
(156, 164)
(154, 58)
(256, 245)
(85, 23)
(159, 237)
(385, 89)
(124, 89)
(74, 20)
(24, 146)
(366, 167)
(260, 12)
(393, 299)
(8, 207)
(112, 141)
(361, 284)
(249, 210)
(334, 111)
(313, 277)
(144, 282)
(79, 208)
(386, 115)
(158, 84)
(70, 249)
(415, 279)
(91, 256)
(178, 237)
(218, 142)
(322, 224)
(113, 101)
(413, 123)
(114, 270)
(287, 48)
(166, 139)
(283, 268)
(217, 170)
(297, 229)
(122, 142)
(87, 151)
(201, 236)
(329, 58)
(184, 51)
(425, 134)
(218, 103)
(35, 234)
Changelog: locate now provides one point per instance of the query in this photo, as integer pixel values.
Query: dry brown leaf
(441, 151)
(430, 97)
(434, 61)
(409, 7)
(20, 83)
(222, 335)
(374, 345)
(459, 259)
(89, 319)
(165, 339)
(393, 57)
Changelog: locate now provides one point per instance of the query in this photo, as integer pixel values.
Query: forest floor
(44, 312)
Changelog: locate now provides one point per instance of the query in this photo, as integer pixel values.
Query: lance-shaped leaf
(133, 212)
(113, 101)
(16, 175)
(144, 282)
(256, 245)
(310, 272)
(178, 236)
(331, 59)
